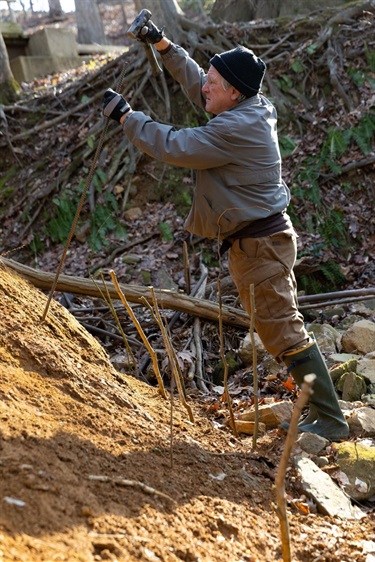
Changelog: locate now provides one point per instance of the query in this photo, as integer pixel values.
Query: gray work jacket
(236, 155)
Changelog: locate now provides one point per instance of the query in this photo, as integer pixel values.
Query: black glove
(151, 33)
(114, 105)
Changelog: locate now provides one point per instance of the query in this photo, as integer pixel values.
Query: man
(240, 199)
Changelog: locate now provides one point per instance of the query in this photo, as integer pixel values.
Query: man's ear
(235, 94)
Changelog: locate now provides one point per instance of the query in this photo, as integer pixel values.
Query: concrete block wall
(46, 51)
(52, 42)
(27, 69)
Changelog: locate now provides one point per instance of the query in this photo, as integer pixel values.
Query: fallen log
(354, 294)
(202, 308)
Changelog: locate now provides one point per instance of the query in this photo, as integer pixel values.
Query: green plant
(210, 257)
(10, 173)
(333, 228)
(285, 83)
(364, 133)
(360, 76)
(166, 231)
(7, 190)
(312, 48)
(357, 76)
(36, 245)
(330, 223)
(297, 66)
(183, 200)
(103, 220)
(306, 181)
(287, 146)
(58, 227)
(328, 278)
(370, 58)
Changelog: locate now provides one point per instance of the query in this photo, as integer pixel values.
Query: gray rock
(351, 319)
(133, 213)
(357, 462)
(163, 279)
(359, 338)
(366, 368)
(343, 357)
(272, 415)
(131, 259)
(351, 386)
(349, 406)
(369, 399)
(246, 350)
(321, 461)
(327, 337)
(328, 313)
(348, 365)
(327, 495)
(311, 443)
(362, 422)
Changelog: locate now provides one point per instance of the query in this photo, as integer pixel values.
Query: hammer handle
(150, 53)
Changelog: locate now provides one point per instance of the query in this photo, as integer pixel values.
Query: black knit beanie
(242, 69)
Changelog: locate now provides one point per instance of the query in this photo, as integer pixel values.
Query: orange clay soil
(90, 469)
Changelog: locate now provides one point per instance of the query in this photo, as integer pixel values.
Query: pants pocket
(276, 298)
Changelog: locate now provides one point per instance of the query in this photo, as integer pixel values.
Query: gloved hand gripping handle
(135, 32)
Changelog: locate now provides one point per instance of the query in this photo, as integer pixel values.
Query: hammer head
(139, 23)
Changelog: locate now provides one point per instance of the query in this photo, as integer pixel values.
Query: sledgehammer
(135, 32)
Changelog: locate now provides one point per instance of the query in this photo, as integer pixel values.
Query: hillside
(321, 79)
(93, 466)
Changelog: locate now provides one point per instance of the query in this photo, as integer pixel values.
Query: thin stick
(80, 205)
(76, 217)
(199, 355)
(171, 434)
(224, 361)
(197, 339)
(172, 357)
(221, 339)
(186, 268)
(306, 392)
(131, 484)
(108, 299)
(255, 373)
(141, 333)
(171, 425)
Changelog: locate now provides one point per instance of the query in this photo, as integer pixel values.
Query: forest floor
(95, 464)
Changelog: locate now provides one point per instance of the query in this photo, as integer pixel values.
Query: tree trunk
(268, 10)
(158, 8)
(164, 14)
(134, 293)
(244, 10)
(233, 10)
(55, 10)
(8, 86)
(11, 13)
(123, 10)
(89, 23)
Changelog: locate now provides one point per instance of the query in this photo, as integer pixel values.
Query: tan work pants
(268, 264)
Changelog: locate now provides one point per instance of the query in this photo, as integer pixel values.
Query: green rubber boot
(324, 407)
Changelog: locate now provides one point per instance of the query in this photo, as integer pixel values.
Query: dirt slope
(67, 416)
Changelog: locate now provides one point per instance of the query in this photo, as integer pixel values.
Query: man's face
(218, 99)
